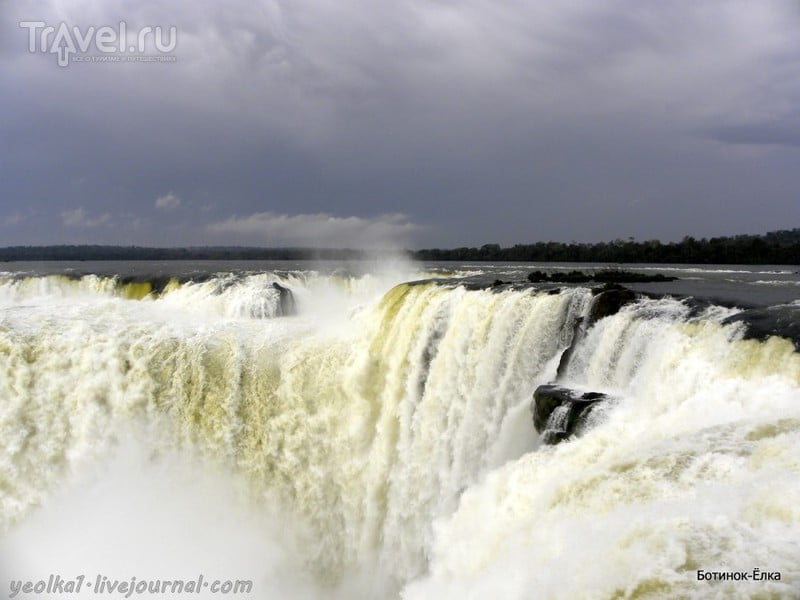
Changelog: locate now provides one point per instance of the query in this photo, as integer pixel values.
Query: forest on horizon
(775, 247)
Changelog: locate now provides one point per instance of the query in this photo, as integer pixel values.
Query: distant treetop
(775, 247)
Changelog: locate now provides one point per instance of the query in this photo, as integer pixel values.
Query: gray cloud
(167, 202)
(78, 217)
(485, 121)
(779, 133)
(15, 219)
(319, 229)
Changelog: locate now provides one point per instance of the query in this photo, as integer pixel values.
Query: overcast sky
(410, 123)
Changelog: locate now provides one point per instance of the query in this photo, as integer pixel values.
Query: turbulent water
(378, 443)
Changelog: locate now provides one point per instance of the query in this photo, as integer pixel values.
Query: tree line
(776, 247)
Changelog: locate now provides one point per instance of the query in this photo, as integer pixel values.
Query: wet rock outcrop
(560, 412)
(607, 301)
(286, 303)
(603, 276)
(761, 323)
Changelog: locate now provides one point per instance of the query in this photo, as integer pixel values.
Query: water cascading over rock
(560, 412)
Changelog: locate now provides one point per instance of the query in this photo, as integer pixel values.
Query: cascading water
(557, 423)
(392, 427)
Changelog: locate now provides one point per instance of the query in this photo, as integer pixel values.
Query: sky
(411, 123)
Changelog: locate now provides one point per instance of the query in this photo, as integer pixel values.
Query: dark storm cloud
(780, 133)
(419, 123)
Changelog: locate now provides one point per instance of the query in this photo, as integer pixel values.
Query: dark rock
(571, 277)
(606, 287)
(761, 323)
(605, 276)
(286, 304)
(559, 412)
(538, 277)
(608, 302)
(616, 276)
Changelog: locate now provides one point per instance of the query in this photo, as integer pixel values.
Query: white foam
(390, 432)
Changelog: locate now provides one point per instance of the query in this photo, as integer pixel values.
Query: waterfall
(393, 426)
